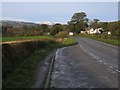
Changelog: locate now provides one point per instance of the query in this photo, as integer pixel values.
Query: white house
(71, 33)
(109, 32)
(92, 31)
(95, 31)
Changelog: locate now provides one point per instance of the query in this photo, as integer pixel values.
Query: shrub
(61, 35)
(15, 53)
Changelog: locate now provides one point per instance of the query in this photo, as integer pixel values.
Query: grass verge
(114, 40)
(23, 73)
(69, 41)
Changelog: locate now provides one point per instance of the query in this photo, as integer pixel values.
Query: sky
(58, 11)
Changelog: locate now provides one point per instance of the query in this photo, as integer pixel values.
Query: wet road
(90, 64)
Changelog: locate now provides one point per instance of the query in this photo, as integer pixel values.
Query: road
(89, 64)
(105, 53)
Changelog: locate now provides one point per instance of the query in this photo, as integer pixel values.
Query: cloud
(44, 22)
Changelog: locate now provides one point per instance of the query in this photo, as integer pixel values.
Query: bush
(69, 41)
(15, 53)
(61, 35)
(56, 29)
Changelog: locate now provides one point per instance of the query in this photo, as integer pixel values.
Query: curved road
(89, 64)
(105, 53)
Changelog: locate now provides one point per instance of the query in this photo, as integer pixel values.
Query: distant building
(83, 32)
(92, 31)
(71, 33)
(95, 31)
(109, 32)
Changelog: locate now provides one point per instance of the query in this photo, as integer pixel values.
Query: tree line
(78, 22)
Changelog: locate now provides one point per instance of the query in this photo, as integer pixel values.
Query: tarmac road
(89, 64)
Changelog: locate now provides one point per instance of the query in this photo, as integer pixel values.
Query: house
(71, 33)
(95, 31)
(83, 32)
(92, 31)
(109, 32)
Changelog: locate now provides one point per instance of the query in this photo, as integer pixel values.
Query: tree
(78, 22)
(114, 27)
(71, 27)
(56, 29)
(80, 16)
(80, 26)
(96, 20)
(94, 24)
(104, 25)
(4, 29)
(61, 34)
(45, 27)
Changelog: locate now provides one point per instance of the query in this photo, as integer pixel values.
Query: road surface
(89, 64)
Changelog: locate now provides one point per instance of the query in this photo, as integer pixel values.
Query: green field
(5, 39)
(114, 40)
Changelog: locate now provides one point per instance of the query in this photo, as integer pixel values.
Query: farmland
(19, 38)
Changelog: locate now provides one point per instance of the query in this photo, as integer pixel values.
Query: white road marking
(105, 63)
(96, 57)
(114, 51)
(110, 66)
(117, 70)
(100, 60)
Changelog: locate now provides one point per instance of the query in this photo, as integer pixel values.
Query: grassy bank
(5, 39)
(18, 75)
(114, 40)
(69, 41)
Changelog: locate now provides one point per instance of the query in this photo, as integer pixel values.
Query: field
(114, 40)
(5, 39)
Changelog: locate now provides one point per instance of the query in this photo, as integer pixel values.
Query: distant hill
(19, 28)
(16, 23)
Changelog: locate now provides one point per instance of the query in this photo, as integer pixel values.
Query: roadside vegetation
(69, 41)
(18, 70)
(20, 59)
(111, 39)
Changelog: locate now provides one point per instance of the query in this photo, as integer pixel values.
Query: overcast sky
(58, 11)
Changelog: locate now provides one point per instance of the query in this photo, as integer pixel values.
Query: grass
(114, 40)
(23, 74)
(5, 39)
(69, 41)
